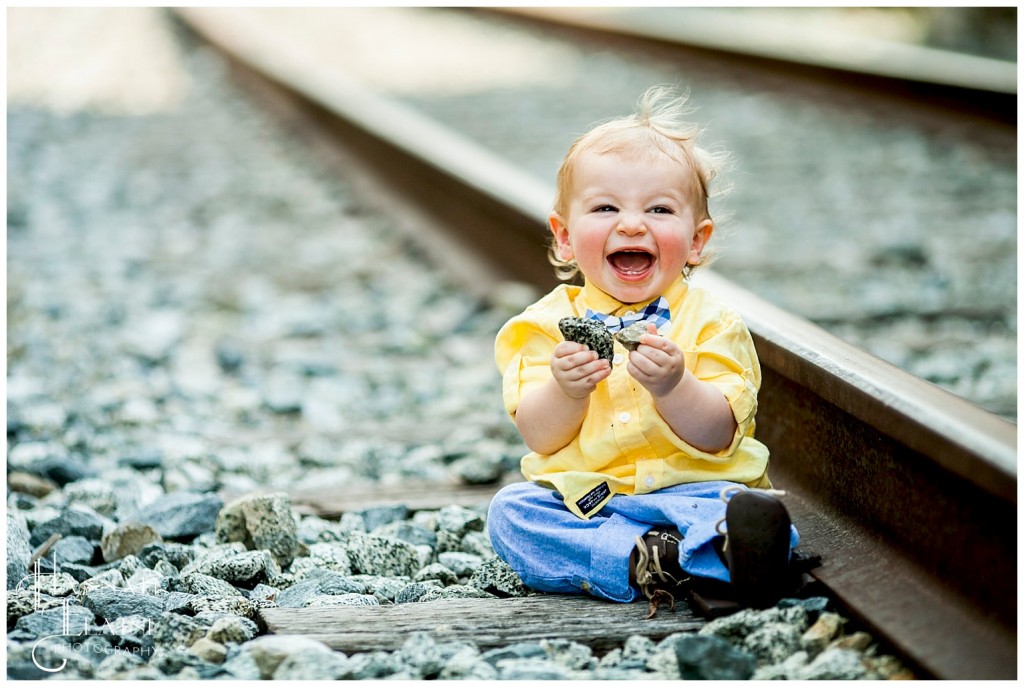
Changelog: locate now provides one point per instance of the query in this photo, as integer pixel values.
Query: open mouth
(631, 264)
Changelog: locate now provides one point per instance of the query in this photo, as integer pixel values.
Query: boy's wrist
(671, 389)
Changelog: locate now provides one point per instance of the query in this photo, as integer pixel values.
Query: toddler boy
(633, 460)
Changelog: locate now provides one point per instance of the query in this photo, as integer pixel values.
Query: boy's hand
(577, 369)
(657, 363)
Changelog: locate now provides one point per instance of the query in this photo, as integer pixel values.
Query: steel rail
(908, 492)
(983, 85)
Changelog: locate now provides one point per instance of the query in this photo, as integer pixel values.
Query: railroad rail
(983, 86)
(907, 492)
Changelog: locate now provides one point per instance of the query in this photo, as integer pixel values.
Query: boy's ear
(561, 233)
(701, 236)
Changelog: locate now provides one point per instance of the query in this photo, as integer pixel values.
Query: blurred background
(891, 227)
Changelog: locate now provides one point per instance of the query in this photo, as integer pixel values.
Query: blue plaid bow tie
(656, 312)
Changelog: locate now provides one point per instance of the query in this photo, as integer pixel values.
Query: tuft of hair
(659, 125)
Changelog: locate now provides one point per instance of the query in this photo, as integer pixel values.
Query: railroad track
(907, 492)
(982, 86)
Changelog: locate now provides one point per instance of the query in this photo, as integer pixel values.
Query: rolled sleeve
(726, 358)
(523, 354)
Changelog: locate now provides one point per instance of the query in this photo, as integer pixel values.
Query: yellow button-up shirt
(624, 446)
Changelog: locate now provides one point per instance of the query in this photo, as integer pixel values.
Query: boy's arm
(550, 416)
(698, 413)
(695, 410)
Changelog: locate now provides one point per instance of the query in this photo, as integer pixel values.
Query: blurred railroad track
(878, 68)
(905, 490)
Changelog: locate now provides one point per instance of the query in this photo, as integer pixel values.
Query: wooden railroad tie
(488, 623)
(414, 495)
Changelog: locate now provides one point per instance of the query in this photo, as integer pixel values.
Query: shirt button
(630, 313)
(625, 417)
(649, 481)
(585, 586)
(617, 358)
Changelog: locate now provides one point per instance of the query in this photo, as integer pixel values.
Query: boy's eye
(663, 209)
(605, 208)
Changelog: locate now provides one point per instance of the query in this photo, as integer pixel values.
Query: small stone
(127, 538)
(772, 642)
(789, 669)
(96, 493)
(462, 564)
(246, 568)
(129, 565)
(154, 338)
(323, 556)
(219, 605)
(331, 600)
(814, 605)
(178, 555)
(270, 651)
(117, 665)
(179, 602)
(73, 550)
(590, 333)
(62, 469)
(176, 631)
(129, 628)
(374, 555)
(858, 641)
(76, 520)
(377, 516)
(710, 657)
(572, 655)
(326, 582)
(497, 577)
(467, 664)
(108, 579)
(19, 551)
(530, 669)
(436, 571)
(232, 630)
(182, 515)
(412, 593)
(455, 591)
(55, 584)
(630, 336)
(519, 650)
(261, 521)
(478, 469)
(818, 635)
(27, 483)
(174, 658)
(205, 585)
(459, 520)
(146, 581)
(209, 650)
(477, 543)
(110, 604)
(57, 620)
(24, 601)
(835, 664)
(408, 532)
(371, 665)
(385, 589)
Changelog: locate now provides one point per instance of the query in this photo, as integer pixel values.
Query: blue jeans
(552, 550)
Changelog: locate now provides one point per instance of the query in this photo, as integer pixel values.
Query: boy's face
(630, 224)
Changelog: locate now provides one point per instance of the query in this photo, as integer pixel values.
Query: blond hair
(657, 126)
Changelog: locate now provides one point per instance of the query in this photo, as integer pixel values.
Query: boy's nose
(631, 223)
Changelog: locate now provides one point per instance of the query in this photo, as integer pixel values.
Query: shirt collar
(599, 301)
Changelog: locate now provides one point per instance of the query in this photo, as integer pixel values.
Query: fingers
(657, 363)
(577, 369)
